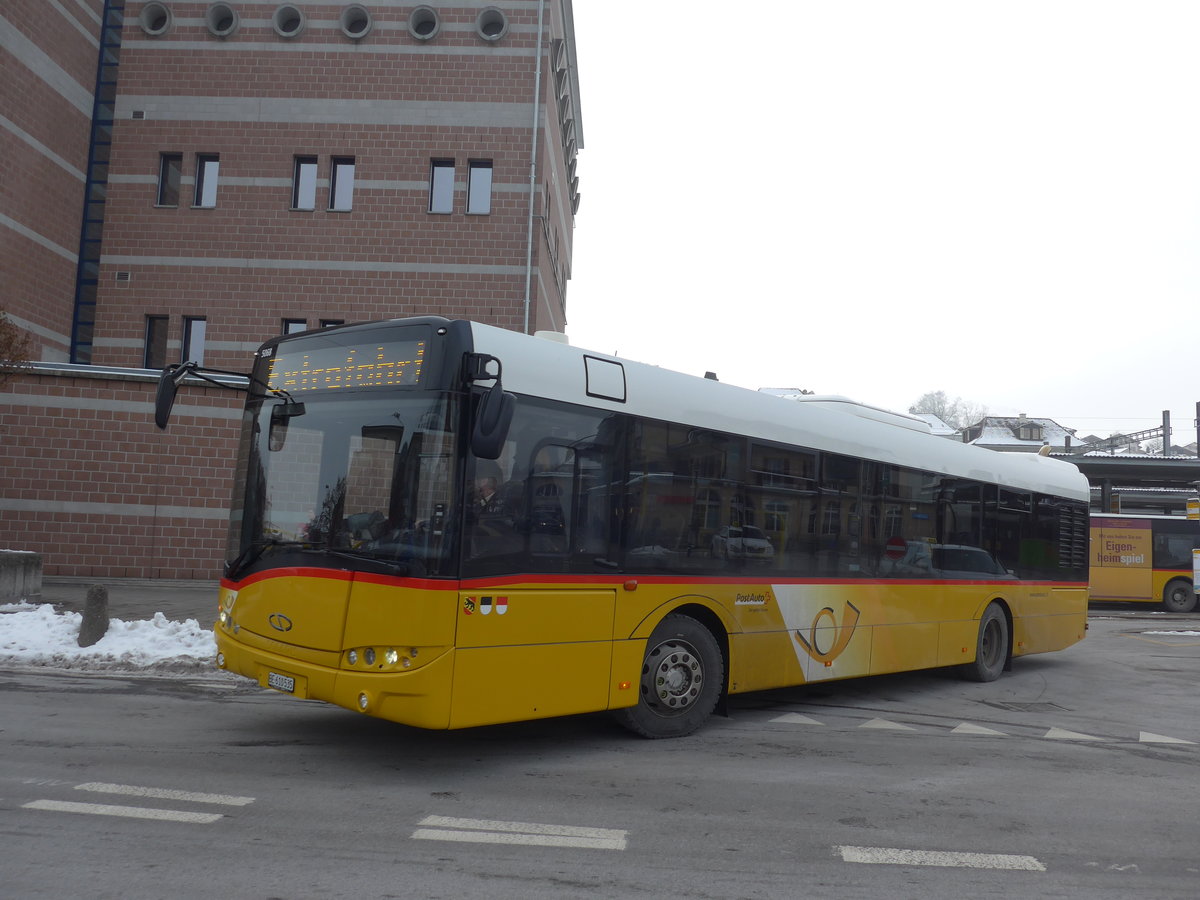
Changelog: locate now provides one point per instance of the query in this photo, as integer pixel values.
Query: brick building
(183, 180)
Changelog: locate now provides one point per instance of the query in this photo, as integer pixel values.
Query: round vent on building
(491, 24)
(288, 21)
(156, 19)
(423, 23)
(356, 22)
(222, 20)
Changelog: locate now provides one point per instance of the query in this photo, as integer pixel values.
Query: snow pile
(1185, 633)
(36, 635)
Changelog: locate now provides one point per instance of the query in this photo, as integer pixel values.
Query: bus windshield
(373, 480)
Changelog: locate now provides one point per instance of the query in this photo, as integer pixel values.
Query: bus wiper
(254, 552)
(400, 568)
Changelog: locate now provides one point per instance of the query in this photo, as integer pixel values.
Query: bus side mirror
(492, 418)
(168, 385)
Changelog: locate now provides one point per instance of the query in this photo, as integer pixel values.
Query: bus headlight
(363, 702)
(352, 656)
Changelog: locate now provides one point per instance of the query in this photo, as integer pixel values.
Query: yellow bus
(1144, 559)
(446, 524)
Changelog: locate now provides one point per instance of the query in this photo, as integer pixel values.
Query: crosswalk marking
(141, 812)
(128, 812)
(487, 831)
(899, 857)
(164, 794)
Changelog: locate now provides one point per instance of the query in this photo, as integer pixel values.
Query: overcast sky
(999, 200)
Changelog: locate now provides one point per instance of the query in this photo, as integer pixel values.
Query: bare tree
(957, 413)
(15, 347)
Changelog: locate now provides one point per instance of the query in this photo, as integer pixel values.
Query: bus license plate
(284, 683)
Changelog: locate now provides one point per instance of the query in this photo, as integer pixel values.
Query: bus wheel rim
(676, 676)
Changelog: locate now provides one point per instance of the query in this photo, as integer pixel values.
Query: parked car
(742, 542)
(922, 559)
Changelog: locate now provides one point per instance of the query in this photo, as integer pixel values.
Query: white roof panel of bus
(556, 371)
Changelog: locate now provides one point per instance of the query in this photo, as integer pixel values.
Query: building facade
(186, 180)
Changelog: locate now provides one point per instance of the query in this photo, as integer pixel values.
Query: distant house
(1020, 434)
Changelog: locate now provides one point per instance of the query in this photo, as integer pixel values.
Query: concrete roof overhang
(1163, 472)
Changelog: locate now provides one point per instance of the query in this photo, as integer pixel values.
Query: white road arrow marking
(968, 728)
(1147, 738)
(884, 723)
(796, 719)
(1059, 734)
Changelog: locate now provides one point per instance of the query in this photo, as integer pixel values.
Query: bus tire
(991, 646)
(1179, 596)
(682, 677)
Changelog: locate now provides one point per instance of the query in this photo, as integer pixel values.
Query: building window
(356, 22)
(194, 328)
(1029, 432)
(170, 167)
(292, 326)
(155, 19)
(341, 184)
(222, 20)
(304, 183)
(423, 23)
(441, 186)
(206, 179)
(155, 355)
(491, 24)
(329, 323)
(288, 21)
(479, 187)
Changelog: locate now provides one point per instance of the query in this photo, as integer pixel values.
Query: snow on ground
(35, 635)
(1188, 633)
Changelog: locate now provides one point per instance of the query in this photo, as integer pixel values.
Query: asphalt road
(1072, 776)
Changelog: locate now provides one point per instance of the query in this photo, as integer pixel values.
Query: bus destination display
(322, 368)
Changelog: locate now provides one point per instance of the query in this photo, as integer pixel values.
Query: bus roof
(559, 371)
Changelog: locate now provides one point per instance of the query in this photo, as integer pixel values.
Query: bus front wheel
(681, 680)
(991, 646)
(1179, 596)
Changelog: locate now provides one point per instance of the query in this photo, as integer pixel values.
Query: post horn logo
(826, 650)
(279, 622)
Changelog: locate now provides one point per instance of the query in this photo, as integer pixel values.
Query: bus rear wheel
(1179, 596)
(991, 646)
(681, 680)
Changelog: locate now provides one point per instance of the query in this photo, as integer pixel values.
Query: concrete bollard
(95, 616)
